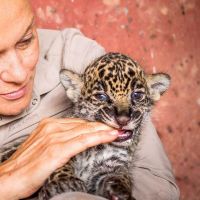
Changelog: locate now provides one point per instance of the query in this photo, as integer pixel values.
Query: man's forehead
(10, 8)
(16, 17)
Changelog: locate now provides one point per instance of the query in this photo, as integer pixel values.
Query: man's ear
(157, 84)
(72, 83)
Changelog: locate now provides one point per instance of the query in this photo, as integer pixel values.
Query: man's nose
(123, 116)
(13, 69)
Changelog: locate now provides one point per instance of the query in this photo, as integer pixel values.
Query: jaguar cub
(116, 91)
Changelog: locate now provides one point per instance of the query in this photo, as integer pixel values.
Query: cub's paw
(115, 189)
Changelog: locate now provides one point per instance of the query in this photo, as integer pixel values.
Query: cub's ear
(72, 83)
(157, 84)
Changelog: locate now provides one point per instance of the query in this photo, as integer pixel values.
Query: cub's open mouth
(124, 135)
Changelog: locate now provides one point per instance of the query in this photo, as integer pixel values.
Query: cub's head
(114, 90)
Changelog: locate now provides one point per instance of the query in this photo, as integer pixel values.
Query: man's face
(18, 55)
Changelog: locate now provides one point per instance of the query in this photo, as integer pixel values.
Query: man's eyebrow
(28, 28)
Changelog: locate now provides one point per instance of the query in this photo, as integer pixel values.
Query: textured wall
(162, 35)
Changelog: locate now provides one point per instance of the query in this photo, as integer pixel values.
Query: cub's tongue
(124, 135)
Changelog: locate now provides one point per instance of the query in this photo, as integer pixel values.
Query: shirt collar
(46, 77)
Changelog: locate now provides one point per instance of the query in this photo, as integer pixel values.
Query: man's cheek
(30, 58)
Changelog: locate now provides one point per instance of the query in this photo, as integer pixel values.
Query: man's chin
(15, 108)
(13, 112)
(18, 112)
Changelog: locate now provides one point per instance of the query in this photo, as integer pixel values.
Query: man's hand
(49, 147)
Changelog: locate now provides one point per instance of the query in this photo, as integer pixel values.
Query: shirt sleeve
(152, 171)
(78, 50)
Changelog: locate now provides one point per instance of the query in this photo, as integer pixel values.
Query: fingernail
(115, 132)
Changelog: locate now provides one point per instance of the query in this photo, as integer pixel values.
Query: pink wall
(162, 35)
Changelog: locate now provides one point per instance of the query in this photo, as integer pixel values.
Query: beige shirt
(153, 178)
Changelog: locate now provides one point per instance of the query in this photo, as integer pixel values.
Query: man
(32, 100)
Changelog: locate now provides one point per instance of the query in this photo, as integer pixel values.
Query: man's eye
(24, 43)
(137, 96)
(101, 97)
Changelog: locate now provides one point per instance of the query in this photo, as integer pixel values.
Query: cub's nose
(123, 120)
(122, 116)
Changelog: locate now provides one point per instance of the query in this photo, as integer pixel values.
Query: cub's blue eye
(137, 96)
(102, 97)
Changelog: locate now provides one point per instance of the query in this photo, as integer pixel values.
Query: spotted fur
(116, 91)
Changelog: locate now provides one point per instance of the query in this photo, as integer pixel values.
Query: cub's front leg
(115, 187)
(62, 180)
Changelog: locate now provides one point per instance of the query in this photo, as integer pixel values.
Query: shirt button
(34, 102)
